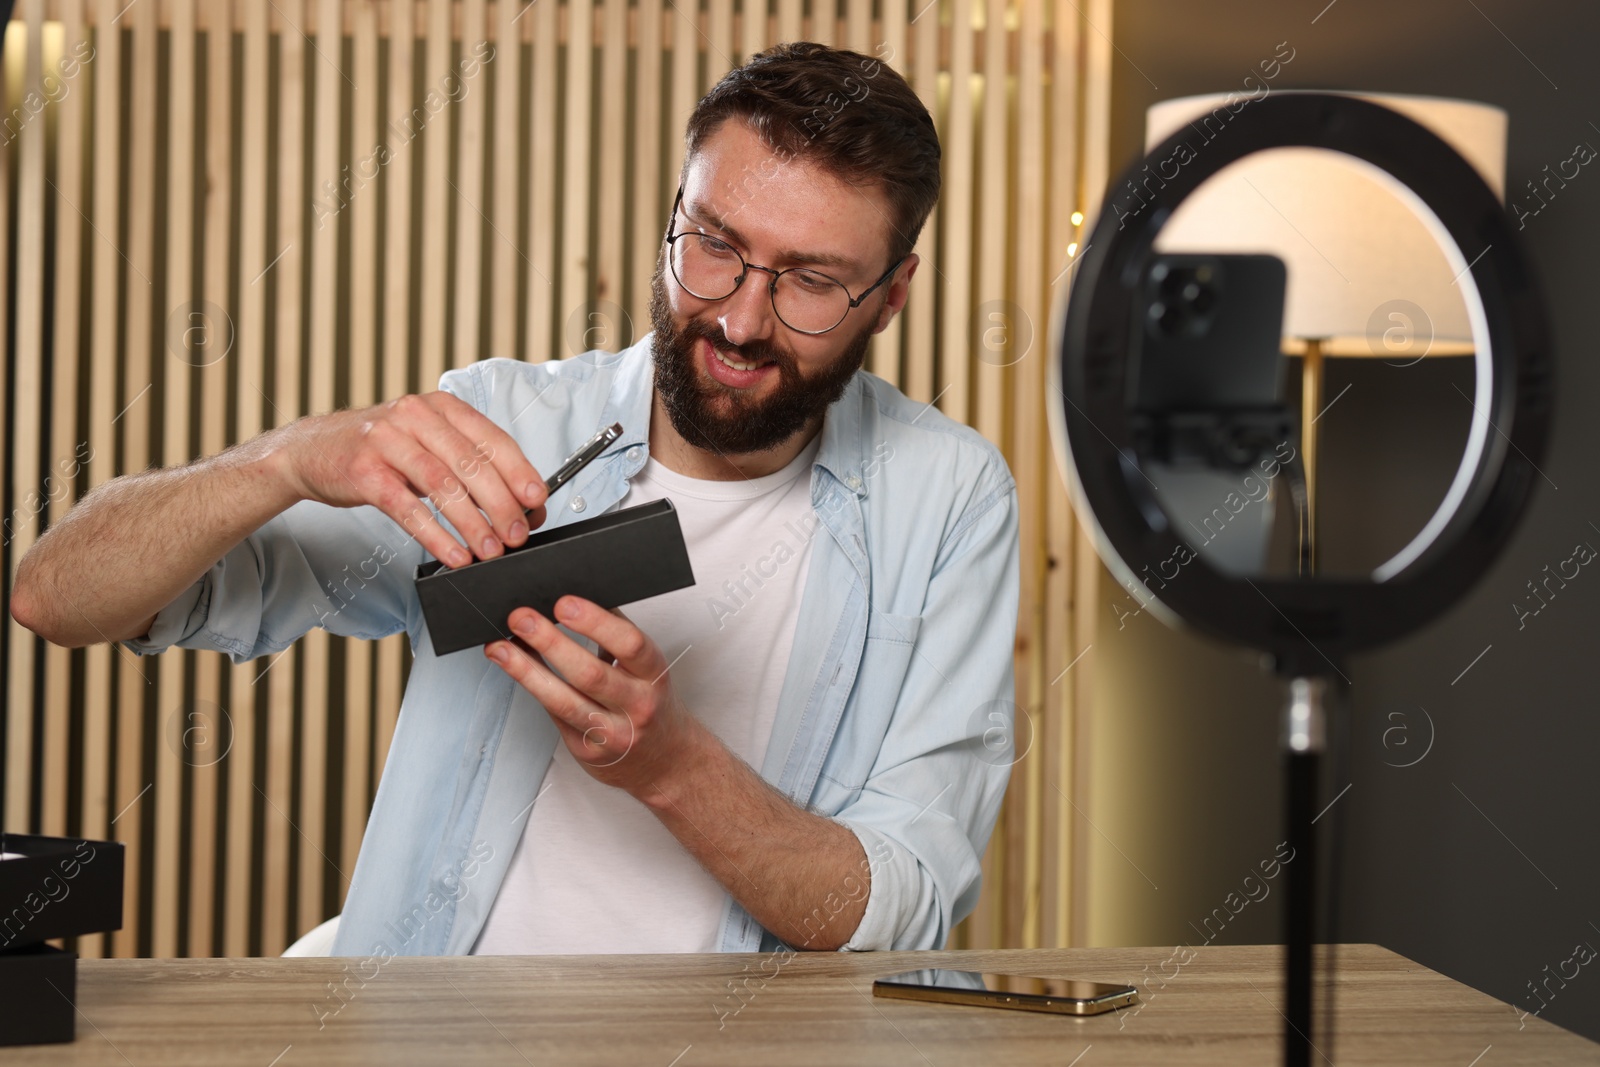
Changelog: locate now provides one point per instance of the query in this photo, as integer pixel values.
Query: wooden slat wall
(225, 255)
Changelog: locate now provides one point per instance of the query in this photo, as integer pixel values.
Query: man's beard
(714, 418)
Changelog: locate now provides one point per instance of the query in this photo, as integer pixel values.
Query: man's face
(776, 213)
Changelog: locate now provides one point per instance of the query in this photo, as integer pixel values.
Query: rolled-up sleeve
(929, 805)
(348, 570)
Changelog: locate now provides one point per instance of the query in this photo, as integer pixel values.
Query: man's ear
(899, 288)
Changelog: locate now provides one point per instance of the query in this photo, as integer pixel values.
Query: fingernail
(497, 652)
(460, 557)
(519, 530)
(536, 491)
(567, 609)
(491, 547)
(527, 624)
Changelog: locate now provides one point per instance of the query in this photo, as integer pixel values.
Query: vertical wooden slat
(324, 352)
(988, 370)
(505, 258)
(473, 104)
(858, 26)
(256, 264)
(28, 395)
(990, 326)
(610, 182)
(398, 136)
(134, 678)
(1087, 568)
(884, 360)
(396, 308)
(99, 816)
(575, 266)
(791, 25)
(858, 37)
(648, 179)
(685, 87)
(824, 21)
(278, 673)
(239, 723)
(108, 331)
(435, 198)
(1031, 454)
(202, 701)
(920, 321)
(752, 29)
(954, 358)
(68, 447)
(956, 220)
(719, 43)
(1061, 530)
(543, 227)
(32, 370)
(365, 102)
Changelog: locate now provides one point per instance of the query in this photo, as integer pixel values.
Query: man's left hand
(620, 720)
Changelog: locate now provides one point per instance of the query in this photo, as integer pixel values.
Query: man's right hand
(132, 545)
(433, 446)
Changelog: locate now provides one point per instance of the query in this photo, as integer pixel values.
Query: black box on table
(50, 887)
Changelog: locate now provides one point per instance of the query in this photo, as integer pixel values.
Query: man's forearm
(134, 544)
(803, 877)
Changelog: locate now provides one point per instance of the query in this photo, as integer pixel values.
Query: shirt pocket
(885, 662)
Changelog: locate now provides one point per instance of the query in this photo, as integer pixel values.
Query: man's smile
(728, 370)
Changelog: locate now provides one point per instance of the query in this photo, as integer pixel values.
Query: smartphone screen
(1027, 992)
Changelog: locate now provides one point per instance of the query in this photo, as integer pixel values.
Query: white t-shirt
(595, 871)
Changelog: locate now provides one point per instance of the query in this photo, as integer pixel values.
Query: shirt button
(636, 453)
(853, 482)
(578, 504)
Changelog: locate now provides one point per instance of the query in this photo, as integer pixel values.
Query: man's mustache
(755, 352)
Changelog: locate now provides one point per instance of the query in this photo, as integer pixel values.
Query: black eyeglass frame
(772, 286)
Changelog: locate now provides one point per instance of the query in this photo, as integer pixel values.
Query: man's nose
(747, 315)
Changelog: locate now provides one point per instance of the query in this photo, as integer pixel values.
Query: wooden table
(812, 1009)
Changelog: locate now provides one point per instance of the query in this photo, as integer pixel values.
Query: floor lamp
(1366, 278)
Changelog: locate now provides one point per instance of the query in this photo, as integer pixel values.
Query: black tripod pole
(1304, 739)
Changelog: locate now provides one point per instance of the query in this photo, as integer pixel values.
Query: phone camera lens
(1167, 318)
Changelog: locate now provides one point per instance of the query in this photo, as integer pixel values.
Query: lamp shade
(1366, 275)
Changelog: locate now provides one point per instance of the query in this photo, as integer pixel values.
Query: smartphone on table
(1024, 992)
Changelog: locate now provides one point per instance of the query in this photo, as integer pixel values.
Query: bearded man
(806, 749)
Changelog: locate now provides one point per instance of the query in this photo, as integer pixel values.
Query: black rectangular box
(611, 559)
(38, 988)
(58, 887)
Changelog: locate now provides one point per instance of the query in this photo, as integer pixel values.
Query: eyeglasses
(805, 300)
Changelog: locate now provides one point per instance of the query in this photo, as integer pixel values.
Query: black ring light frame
(1308, 626)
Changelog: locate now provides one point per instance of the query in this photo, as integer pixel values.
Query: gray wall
(1479, 858)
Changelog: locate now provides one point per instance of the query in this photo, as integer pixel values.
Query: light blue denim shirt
(894, 717)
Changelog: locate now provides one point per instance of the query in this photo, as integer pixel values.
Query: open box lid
(57, 887)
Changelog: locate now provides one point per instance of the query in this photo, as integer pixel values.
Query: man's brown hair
(850, 114)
